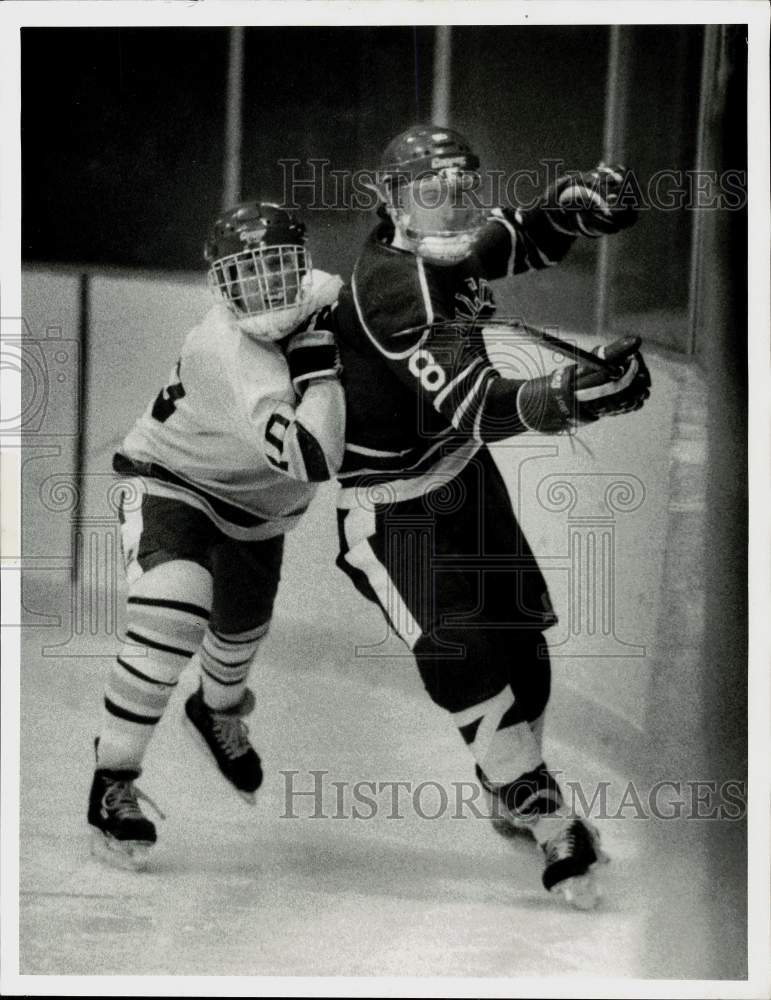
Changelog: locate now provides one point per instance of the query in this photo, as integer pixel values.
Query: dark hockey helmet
(425, 175)
(252, 224)
(259, 267)
(423, 149)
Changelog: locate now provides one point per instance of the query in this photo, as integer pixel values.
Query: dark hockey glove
(589, 204)
(311, 355)
(579, 394)
(598, 396)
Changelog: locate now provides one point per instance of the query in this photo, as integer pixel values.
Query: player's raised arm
(577, 204)
(433, 193)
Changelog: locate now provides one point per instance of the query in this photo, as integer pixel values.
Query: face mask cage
(439, 215)
(266, 289)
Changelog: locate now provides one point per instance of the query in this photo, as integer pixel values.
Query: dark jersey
(422, 398)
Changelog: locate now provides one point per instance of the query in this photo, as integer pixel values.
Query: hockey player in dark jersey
(426, 526)
(218, 468)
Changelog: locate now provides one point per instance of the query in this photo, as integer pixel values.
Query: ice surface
(234, 890)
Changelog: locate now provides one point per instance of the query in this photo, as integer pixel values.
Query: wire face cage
(264, 283)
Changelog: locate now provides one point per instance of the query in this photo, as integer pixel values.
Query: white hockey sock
(225, 661)
(122, 744)
(162, 633)
(500, 748)
(138, 689)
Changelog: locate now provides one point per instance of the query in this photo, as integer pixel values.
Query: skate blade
(128, 855)
(581, 892)
(250, 798)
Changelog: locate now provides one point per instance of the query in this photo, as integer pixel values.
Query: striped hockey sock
(162, 635)
(225, 662)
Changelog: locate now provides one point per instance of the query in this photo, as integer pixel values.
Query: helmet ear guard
(260, 268)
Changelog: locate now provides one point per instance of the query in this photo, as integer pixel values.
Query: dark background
(123, 130)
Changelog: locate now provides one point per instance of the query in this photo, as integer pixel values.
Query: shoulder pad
(391, 294)
(325, 288)
(214, 332)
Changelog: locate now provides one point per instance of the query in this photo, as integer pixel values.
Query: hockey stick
(569, 350)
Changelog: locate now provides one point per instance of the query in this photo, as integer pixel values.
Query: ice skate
(224, 734)
(570, 854)
(532, 807)
(121, 835)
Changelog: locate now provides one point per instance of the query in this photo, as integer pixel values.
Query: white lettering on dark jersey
(482, 301)
(423, 366)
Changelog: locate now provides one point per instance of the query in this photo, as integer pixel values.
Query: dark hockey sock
(535, 793)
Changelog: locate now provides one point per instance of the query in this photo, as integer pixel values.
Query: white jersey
(228, 433)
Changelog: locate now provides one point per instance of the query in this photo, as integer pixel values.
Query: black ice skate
(532, 806)
(121, 834)
(570, 853)
(225, 736)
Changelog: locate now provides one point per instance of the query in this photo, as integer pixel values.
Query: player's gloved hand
(597, 395)
(579, 394)
(589, 204)
(311, 355)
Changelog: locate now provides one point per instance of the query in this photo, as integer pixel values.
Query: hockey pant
(192, 589)
(455, 577)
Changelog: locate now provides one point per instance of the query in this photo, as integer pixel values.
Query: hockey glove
(579, 394)
(589, 204)
(311, 355)
(598, 396)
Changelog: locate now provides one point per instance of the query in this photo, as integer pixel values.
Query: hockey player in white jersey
(221, 464)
